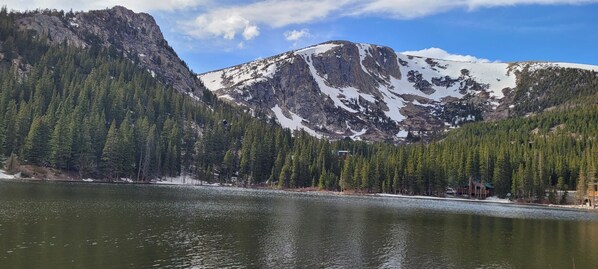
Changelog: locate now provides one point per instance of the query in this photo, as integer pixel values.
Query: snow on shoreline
(180, 180)
(184, 180)
(489, 200)
(492, 199)
(4, 175)
(189, 181)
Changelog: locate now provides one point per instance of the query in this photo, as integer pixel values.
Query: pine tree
(110, 153)
(582, 184)
(229, 163)
(149, 155)
(277, 167)
(502, 176)
(2, 130)
(35, 150)
(322, 180)
(60, 145)
(295, 173)
(517, 187)
(245, 163)
(346, 180)
(527, 180)
(365, 176)
(9, 129)
(86, 158)
(188, 149)
(125, 155)
(284, 178)
(396, 179)
(23, 124)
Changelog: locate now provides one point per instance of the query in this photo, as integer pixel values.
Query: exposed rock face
(340, 89)
(135, 34)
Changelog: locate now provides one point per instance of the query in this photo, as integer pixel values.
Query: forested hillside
(96, 112)
(102, 115)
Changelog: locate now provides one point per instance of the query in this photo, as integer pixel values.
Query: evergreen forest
(97, 113)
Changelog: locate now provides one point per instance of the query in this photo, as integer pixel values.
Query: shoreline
(309, 190)
(493, 200)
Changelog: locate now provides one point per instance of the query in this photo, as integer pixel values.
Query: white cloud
(136, 5)
(227, 19)
(283, 13)
(408, 9)
(437, 53)
(250, 32)
(227, 27)
(295, 35)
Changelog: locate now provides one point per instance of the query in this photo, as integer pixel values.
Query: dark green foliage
(547, 87)
(35, 150)
(96, 112)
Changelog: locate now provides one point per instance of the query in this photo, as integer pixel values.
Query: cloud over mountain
(437, 53)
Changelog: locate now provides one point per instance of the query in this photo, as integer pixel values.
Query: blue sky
(211, 34)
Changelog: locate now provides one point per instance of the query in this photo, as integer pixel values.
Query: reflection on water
(56, 225)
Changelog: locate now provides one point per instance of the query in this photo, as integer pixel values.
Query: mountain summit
(136, 35)
(340, 89)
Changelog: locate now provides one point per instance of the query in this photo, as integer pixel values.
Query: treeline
(530, 158)
(98, 113)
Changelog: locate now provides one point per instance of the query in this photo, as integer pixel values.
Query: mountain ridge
(136, 35)
(376, 93)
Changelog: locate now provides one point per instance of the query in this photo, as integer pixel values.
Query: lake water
(77, 225)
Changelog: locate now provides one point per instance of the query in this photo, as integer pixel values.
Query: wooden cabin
(476, 189)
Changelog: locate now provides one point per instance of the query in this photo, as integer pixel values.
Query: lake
(87, 225)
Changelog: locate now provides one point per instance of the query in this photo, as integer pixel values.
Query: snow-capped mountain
(341, 89)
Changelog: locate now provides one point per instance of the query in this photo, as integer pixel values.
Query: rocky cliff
(136, 35)
(341, 89)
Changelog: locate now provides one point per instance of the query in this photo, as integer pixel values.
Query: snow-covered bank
(492, 199)
(180, 180)
(4, 175)
(184, 180)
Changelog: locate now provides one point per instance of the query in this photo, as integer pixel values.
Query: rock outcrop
(135, 34)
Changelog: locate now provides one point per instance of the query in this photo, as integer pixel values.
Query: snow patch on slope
(317, 50)
(212, 80)
(402, 134)
(577, 66)
(294, 123)
(357, 135)
(244, 75)
(363, 53)
(495, 75)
